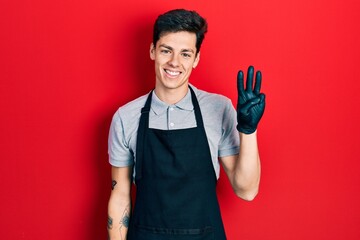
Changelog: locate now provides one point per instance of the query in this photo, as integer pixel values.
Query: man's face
(175, 57)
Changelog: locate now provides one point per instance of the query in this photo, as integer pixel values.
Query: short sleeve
(118, 146)
(229, 143)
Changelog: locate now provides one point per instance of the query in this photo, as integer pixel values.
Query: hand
(251, 103)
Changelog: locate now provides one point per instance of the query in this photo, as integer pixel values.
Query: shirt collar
(160, 107)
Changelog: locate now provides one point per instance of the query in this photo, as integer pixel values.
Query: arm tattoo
(113, 183)
(125, 219)
(110, 223)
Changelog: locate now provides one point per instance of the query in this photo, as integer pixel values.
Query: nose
(174, 61)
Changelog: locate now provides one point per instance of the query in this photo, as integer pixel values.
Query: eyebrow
(182, 50)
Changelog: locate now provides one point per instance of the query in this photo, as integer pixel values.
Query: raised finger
(240, 82)
(249, 79)
(257, 82)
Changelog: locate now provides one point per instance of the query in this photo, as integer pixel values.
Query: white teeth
(172, 73)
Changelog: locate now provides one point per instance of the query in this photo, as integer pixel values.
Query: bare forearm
(119, 207)
(247, 169)
(118, 217)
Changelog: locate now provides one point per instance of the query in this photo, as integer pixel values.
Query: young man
(170, 142)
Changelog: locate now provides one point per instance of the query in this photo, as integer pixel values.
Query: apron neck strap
(198, 116)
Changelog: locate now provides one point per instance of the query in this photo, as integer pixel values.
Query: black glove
(251, 103)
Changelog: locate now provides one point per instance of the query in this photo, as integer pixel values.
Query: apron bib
(175, 184)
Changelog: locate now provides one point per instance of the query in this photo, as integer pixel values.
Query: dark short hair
(178, 20)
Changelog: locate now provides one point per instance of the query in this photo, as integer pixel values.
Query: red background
(66, 66)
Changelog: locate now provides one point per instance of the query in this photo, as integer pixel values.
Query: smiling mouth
(172, 73)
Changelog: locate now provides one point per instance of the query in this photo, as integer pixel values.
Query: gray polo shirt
(218, 114)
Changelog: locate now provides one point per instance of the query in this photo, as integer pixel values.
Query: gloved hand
(251, 103)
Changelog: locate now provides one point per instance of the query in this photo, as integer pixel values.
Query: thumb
(249, 104)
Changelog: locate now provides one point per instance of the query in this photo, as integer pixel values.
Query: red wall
(66, 66)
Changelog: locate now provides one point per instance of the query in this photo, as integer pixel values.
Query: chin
(171, 85)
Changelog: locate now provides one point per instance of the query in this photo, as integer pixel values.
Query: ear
(152, 51)
(197, 59)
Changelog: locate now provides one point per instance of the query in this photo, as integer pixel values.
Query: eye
(186, 55)
(165, 51)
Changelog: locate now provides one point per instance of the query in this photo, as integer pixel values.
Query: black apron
(176, 184)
